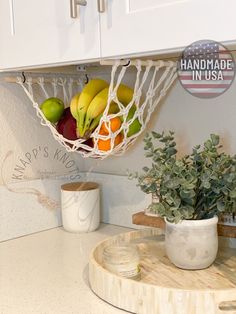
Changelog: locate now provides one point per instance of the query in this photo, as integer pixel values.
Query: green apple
(52, 109)
(135, 126)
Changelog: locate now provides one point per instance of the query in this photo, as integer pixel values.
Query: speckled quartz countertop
(47, 273)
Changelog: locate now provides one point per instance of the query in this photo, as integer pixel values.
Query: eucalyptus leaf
(208, 144)
(233, 193)
(215, 139)
(195, 186)
(206, 184)
(220, 205)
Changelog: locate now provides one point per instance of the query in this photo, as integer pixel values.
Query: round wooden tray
(164, 288)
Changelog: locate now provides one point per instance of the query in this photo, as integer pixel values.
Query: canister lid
(80, 186)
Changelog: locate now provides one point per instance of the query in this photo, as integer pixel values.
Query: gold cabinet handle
(101, 6)
(74, 7)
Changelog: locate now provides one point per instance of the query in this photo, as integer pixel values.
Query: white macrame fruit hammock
(152, 81)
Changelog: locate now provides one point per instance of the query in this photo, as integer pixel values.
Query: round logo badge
(206, 69)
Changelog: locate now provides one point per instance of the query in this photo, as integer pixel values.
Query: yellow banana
(96, 107)
(88, 93)
(98, 104)
(74, 106)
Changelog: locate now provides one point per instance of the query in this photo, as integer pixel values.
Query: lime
(52, 109)
(135, 126)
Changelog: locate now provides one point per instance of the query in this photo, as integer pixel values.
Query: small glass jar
(122, 260)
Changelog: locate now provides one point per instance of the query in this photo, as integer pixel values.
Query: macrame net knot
(149, 82)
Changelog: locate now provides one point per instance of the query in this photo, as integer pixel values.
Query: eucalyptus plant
(196, 186)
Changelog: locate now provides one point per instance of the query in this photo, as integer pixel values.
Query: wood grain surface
(163, 287)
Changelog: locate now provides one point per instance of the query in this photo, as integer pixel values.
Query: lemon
(52, 109)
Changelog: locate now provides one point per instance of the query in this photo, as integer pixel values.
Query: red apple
(60, 125)
(69, 131)
(67, 125)
(67, 112)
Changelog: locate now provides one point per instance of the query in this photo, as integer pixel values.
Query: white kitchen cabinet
(37, 33)
(42, 33)
(130, 27)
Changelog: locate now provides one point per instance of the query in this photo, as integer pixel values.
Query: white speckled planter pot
(192, 244)
(80, 205)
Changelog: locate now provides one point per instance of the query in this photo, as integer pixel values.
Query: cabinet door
(37, 33)
(145, 26)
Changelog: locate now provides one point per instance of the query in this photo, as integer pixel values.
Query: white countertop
(47, 273)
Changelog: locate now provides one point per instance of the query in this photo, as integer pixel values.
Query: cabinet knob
(74, 5)
(101, 6)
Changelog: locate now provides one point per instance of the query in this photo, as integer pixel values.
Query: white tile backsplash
(33, 206)
(28, 207)
(121, 198)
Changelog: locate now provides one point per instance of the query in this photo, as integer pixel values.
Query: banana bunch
(88, 106)
(80, 102)
(99, 102)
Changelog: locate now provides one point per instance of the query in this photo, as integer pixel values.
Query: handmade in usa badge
(206, 69)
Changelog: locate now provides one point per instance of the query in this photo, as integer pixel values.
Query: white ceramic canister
(80, 206)
(192, 244)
